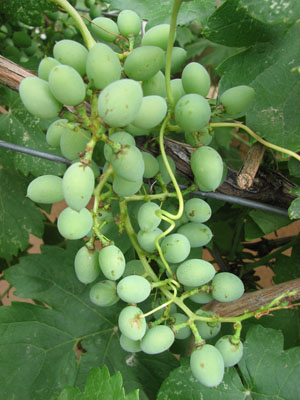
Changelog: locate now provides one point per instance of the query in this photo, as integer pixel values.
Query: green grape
(134, 267)
(147, 239)
(207, 167)
(200, 297)
(156, 85)
(135, 131)
(183, 333)
(104, 293)
(86, 265)
(147, 217)
(197, 210)
(12, 53)
(175, 248)
(74, 225)
(178, 58)
(124, 188)
(198, 234)
(132, 346)
(163, 170)
(112, 262)
(45, 67)
(131, 324)
(99, 73)
(72, 53)
(70, 32)
(207, 330)
(177, 89)
(66, 85)
(119, 102)
(144, 62)
(95, 10)
(151, 165)
(45, 189)
(73, 142)
(89, 3)
(104, 29)
(55, 131)
(237, 100)
(133, 289)
(159, 313)
(32, 49)
(195, 272)
(157, 339)
(129, 23)
(195, 79)
(207, 365)
(200, 138)
(128, 163)
(151, 113)
(227, 287)
(38, 99)
(119, 137)
(232, 353)
(78, 185)
(157, 36)
(21, 39)
(192, 112)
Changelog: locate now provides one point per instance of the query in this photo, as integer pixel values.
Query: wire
(213, 195)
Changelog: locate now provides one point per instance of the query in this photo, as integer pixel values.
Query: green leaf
(19, 127)
(294, 209)
(38, 344)
(287, 268)
(294, 167)
(28, 11)
(252, 230)
(267, 68)
(267, 222)
(273, 11)
(184, 35)
(19, 216)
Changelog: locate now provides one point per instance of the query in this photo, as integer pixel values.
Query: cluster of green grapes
(113, 98)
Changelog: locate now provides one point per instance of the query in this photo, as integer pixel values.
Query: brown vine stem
(12, 74)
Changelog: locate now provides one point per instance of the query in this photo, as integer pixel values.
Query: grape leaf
(19, 127)
(18, 216)
(267, 222)
(38, 343)
(287, 268)
(267, 68)
(28, 11)
(294, 209)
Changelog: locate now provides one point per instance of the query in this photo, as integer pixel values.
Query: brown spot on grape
(202, 365)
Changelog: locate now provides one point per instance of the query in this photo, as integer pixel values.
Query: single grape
(66, 85)
(198, 234)
(197, 210)
(147, 239)
(87, 265)
(128, 163)
(105, 29)
(112, 262)
(200, 297)
(119, 102)
(45, 67)
(124, 188)
(207, 167)
(200, 138)
(195, 272)
(157, 36)
(135, 131)
(156, 85)
(38, 99)
(207, 330)
(157, 339)
(21, 39)
(151, 113)
(73, 142)
(99, 73)
(118, 137)
(178, 58)
(134, 267)
(133, 289)
(74, 225)
(132, 346)
(177, 89)
(45, 189)
(237, 100)
(207, 365)
(163, 170)
(55, 131)
(185, 332)
(192, 112)
(78, 185)
(232, 353)
(227, 287)
(95, 10)
(151, 165)
(104, 293)
(144, 62)
(148, 220)
(195, 79)
(72, 53)
(131, 324)
(129, 23)
(175, 248)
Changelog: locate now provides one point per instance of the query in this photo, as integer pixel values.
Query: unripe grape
(157, 339)
(144, 62)
(207, 365)
(151, 113)
(21, 39)
(207, 330)
(227, 287)
(38, 99)
(177, 89)
(136, 131)
(197, 210)
(147, 239)
(132, 346)
(128, 163)
(73, 142)
(112, 262)
(104, 293)
(198, 234)
(207, 167)
(178, 58)
(119, 137)
(66, 85)
(192, 112)
(45, 189)
(195, 272)
(105, 29)
(74, 225)
(95, 10)
(55, 131)
(151, 165)
(131, 324)
(45, 67)
(99, 73)
(200, 297)
(232, 353)
(185, 332)
(200, 138)
(157, 36)
(156, 85)
(163, 170)
(195, 79)
(72, 53)
(134, 267)
(147, 218)
(129, 23)
(119, 102)
(237, 100)
(86, 265)
(175, 248)
(133, 289)
(124, 188)
(78, 185)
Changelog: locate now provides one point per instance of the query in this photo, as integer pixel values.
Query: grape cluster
(115, 97)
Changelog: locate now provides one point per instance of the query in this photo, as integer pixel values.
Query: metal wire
(213, 195)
